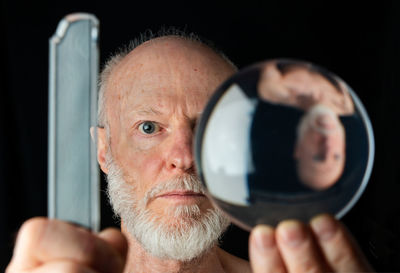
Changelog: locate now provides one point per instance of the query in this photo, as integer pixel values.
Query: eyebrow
(147, 111)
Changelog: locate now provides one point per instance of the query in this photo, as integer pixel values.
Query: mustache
(188, 182)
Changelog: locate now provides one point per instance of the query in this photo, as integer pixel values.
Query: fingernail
(324, 227)
(264, 237)
(292, 233)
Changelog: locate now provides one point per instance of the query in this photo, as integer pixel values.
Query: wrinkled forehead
(167, 70)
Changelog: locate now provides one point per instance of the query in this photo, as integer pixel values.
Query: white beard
(188, 236)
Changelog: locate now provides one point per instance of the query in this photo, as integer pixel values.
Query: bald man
(150, 100)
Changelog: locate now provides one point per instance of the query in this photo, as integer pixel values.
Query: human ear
(102, 146)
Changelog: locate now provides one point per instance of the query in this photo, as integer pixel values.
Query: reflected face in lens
(320, 148)
(302, 86)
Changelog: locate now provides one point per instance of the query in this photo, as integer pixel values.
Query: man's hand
(323, 246)
(45, 245)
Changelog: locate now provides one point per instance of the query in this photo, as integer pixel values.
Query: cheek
(141, 145)
(311, 141)
(339, 144)
(141, 164)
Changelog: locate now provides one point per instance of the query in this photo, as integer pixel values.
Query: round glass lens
(284, 139)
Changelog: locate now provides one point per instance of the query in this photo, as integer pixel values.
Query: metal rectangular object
(73, 174)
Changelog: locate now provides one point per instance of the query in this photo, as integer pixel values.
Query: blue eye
(148, 127)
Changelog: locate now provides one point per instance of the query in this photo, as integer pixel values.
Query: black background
(359, 42)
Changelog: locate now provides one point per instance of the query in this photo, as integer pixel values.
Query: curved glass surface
(284, 139)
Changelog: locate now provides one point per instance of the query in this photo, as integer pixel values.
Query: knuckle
(33, 226)
(9, 269)
(66, 267)
(308, 266)
(277, 270)
(342, 258)
(71, 267)
(347, 250)
(31, 231)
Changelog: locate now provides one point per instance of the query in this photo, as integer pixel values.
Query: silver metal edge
(71, 18)
(51, 172)
(95, 179)
(78, 16)
(371, 155)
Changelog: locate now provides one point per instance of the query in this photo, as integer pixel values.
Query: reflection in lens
(320, 148)
(284, 139)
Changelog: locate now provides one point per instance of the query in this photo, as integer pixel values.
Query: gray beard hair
(191, 234)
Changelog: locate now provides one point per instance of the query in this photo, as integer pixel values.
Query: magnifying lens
(284, 139)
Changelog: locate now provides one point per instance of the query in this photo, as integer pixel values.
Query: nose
(180, 154)
(323, 149)
(326, 122)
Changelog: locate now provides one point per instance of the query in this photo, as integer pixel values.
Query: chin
(317, 185)
(183, 217)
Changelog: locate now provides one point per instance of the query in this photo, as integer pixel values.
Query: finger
(263, 252)
(41, 240)
(339, 248)
(298, 249)
(59, 266)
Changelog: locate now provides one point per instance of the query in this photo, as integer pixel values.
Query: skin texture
(174, 77)
(322, 246)
(321, 157)
(45, 245)
(172, 102)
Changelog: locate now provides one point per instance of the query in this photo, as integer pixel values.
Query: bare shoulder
(233, 264)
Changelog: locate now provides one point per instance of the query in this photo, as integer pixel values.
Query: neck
(139, 260)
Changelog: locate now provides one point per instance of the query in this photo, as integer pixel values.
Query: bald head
(182, 58)
(169, 77)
